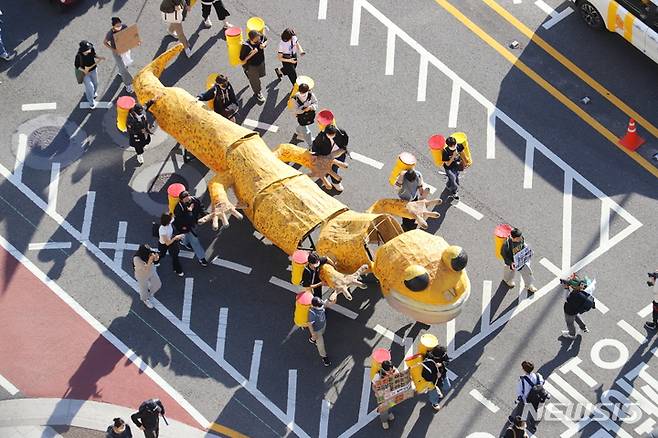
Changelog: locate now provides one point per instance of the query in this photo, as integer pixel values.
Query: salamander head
(423, 277)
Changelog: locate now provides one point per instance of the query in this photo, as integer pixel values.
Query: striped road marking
(39, 106)
(477, 395)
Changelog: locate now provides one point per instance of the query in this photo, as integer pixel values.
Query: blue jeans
(434, 396)
(91, 85)
(453, 180)
(305, 131)
(193, 241)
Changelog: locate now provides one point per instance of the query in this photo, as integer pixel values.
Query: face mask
(303, 96)
(117, 28)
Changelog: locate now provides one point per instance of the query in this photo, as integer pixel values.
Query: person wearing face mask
(168, 242)
(223, 96)
(452, 164)
(85, 63)
(332, 140)
(122, 60)
(139, 129)
(289, 49)
(305, 106)
(119, 429)
(186, 216)
(253, 55)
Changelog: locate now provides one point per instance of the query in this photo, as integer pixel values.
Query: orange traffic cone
(631, 140)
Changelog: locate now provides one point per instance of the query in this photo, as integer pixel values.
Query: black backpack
(586, 302)
(538, 393)
(151, 406)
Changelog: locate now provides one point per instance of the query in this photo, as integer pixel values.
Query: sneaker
(454, 197)
(259, 97)
(203, 262)
(532, 290)
(148, 304)
(93, 104)
(140, 158)
(585, 330)
(207, 23)
(180, 274)
(338, 187)
(186, 246)
(188, 52)
(173, 34)
(391, 417)
(650, 325)
(129, 88)
(312, 341)
(227, 25)
(95, 95)
(510, 285)
(385, 425)
(326, 361)
(8, 56)
(279, 75)
(565, 334)
(436, 407)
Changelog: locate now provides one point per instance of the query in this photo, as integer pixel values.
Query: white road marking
(295, 289)
(255, 364)
(324, 419)
(20, 156)
(121, 242)
(468, 210)
(601, 307)
(566, 221)
(8, 386)
(604, 231)
(122, 247)
(89, 213)
(632, 332)
(646, 311)
(291, 401)
(48, 245)
(491, 132)
(486, 305)
(388, 334)
(454, 104)
(99, 105)
(39, 106)
(390, 52)
(528, 165)
(366, 160)
(477, 395)
(187, 302)
(262, 238)
(408, 351)
(555, 19)
(228, 264)
(544, 7)
(260, 125)
(365, 393)
(221, 333)
(422, 79)
(450, 336)
(53, 187)
(517, 2)
(550, 266)
(322, 9)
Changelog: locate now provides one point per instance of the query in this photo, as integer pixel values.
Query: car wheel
(590, 15)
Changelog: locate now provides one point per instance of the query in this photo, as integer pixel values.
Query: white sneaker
(129, 88)
(565, 334)
(140, 159)
(148, 304)
(207, 22)
(338, 187)
(385, 425)
(93, 104)
(188, 52)
(174, 34)
(510, 285)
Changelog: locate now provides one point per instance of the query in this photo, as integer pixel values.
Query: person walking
(252, 53)
(139, 129)
(146, 275)
(332, 140)
(289, 51)
(411, 188)
(577, 301)
(517, 429)
(122, 60)
(452, 164)
(169, 242)
(516, 255)
(223, 96)
(85, 63)
(173, 12)
(119, 429)
(305, 106)
(147, 418)
(186, 216)
(221, 11)
(529, 391)
(311, 280)
(4, 54)
(387, 370)
(317, 324)
(653, 324)
(435, 371)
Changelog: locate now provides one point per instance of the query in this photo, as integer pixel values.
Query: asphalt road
(582, 203)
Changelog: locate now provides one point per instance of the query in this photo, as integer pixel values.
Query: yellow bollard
(462, 139)
(405, 161)
(378, 356)
(427, 342)
(436, 144)
(414, 363)
(124, 104)
(501, 233)
(172, 195)
(300, 80)
(299, 259)
(209, 83)
(325, 118)
(302, 306)
(234, 45)
(255, 23)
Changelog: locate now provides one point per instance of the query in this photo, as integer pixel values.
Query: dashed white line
(324, 419)
(284, 284)
(89, 213)
(99, 105)
(294, 289)
(187, 302)
(322, 9)
(48, 245)
(365, 393)
(477, 395)
(468, 210)
(408, 351)
(8, 386)
(454, 104)
(390, 52)
(388, 334)
(126, 246)
(566, 221)
(291, 402)
(450, 336)
(20, 157)
(646, 311)
(39, 106)
(604, 224)
(422, 78)
(121, 243)
(255, 364)
(366, 160)
(491, 132)
(260, 125)
(221, 333)
(557, 18)
(486, 305)
(262, 238)
(550, 266)
(544, 7)
(632, 331)
(528, 164)
(53, 187)
(230, 265)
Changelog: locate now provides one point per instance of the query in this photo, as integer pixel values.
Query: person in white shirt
(523, 388)
(653, 324)
(386, 370)
(289, 50)
(169, 242)
(305, 105)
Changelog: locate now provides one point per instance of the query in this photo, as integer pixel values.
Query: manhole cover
(48, 141)
(158, 189)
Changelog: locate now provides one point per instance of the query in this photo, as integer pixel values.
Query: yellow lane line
(514, 60)
(227, 431)
(573, 68)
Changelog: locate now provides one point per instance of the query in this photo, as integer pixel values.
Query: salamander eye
(416, 278)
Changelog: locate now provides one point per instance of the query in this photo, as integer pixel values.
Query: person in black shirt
(452, 164)
(119, 429)
(435, 371)
(221, 11)
(147, 418)
(139, 129)
(86, 62)
(253, 55)
(223, 96)
(311, 275)
(332, 140)
(186, 216)
(572, 306)
(119, 58)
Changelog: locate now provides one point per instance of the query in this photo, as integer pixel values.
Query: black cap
(116, 20)
(85, 45)
(516, 233)
(184, 194)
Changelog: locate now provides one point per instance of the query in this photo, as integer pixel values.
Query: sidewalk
(33, 418)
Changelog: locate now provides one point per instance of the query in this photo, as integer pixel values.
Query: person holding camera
(223, 96)
(145, 273)
(435, 371)
(186, 216)
(653, 325)
(305, 105)
(577, 301)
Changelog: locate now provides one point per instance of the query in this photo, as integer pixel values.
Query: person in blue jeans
(3, 51)
(186, 216)
(86, 61)
(435, 371)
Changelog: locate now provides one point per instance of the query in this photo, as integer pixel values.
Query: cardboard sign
(522, 257)
(127, 39)
(394, 389)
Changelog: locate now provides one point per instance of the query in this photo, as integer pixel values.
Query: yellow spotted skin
(286, 205)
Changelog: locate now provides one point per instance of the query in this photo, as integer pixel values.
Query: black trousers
(173, 250)
(530, 419)
(289, 70)
(152, 433)
(222, 13)
(409, 224)
(655, 312)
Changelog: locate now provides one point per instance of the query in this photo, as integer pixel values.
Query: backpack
(150, 406)
(538, 393)
(308, 117)
(586, 302)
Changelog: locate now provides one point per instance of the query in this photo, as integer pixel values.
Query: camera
(653, 276)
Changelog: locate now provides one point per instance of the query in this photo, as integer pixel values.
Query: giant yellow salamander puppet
(420, 274)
